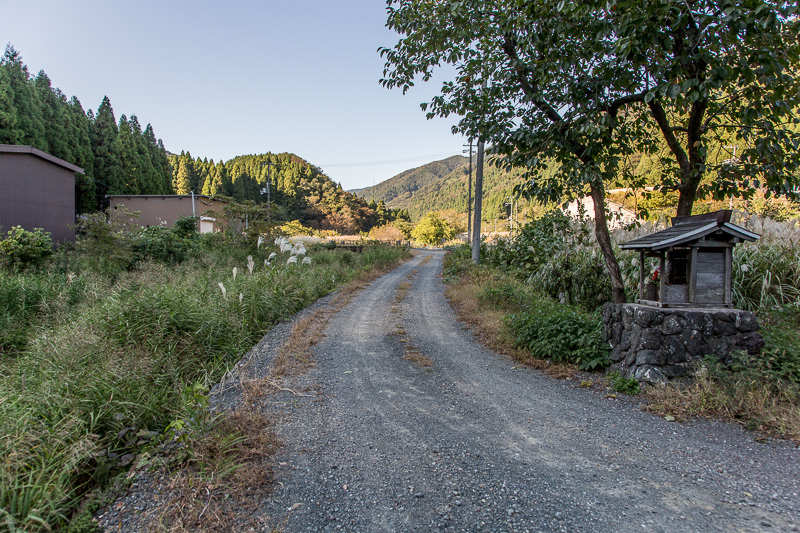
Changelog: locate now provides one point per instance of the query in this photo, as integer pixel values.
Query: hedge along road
(475, 443)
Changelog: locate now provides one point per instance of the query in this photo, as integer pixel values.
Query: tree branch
(674, 144)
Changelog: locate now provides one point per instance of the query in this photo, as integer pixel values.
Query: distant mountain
(442, 185)
(406, 184)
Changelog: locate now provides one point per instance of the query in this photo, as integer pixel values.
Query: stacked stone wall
(654, 344)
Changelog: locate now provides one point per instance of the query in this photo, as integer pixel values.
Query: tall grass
(98, 368)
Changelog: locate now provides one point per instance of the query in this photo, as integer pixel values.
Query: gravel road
(476, 443)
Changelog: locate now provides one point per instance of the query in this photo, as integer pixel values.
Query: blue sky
(228, 78)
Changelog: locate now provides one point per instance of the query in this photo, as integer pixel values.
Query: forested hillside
(118, 157)
(298, 190)
(442, 185)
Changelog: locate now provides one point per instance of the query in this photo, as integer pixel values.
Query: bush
(766, 274)
(185, 227)
(160, 244)
(105, 243)
(26, 248)
(561, 333)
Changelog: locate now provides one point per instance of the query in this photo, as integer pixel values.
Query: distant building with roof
(165, 209)
(38, 191)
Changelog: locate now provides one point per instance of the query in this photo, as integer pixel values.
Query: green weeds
(96, 362)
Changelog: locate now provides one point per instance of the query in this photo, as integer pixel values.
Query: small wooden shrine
(695, 261)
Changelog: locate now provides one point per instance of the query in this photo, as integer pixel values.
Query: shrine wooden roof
(685, 230)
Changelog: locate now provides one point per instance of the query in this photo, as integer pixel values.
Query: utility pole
(476, 227)
(269, 172)
(469, 194)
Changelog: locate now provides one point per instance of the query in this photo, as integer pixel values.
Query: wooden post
(641, 274)
(728, 276)
(662, 275)
(693, 276)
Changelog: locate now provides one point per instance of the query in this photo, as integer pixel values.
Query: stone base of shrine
(655, 344)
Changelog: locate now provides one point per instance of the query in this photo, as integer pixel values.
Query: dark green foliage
(556, 255)
(185, 227)
(629, 386)
(779, 362)
(297, 190)
(22, 248)
(159, 244)
(562, 333)
(442, 185)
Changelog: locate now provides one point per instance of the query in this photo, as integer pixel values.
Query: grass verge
(760, 393)
(228, 467)
(105, 366)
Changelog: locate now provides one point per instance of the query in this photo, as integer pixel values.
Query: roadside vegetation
(109, 347)
(536, 296)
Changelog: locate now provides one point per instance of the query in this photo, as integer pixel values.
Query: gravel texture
(477, 443)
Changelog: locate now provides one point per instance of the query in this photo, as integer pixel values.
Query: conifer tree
(10, 131)
(25, 101)
(103, 135)
(183, 182)
(52, 104)
(128, 159)
(81, 146)
(166, 169)
(149, 183)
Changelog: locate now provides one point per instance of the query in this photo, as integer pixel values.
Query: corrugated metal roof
(24, 149)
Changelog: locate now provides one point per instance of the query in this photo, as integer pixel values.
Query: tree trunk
(686, 200)
(603, 237)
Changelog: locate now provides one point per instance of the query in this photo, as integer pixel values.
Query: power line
(387, 162)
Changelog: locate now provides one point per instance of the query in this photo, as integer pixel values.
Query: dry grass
(488, 327)
(415, 356)
(731, 398)
(220, 487)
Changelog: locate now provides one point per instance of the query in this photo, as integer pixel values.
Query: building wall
(165, 210)
(621, 216)
(37, 194)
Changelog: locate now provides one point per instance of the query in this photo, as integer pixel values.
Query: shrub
(779, 363)
(105, 242)
(160, 244)
(26, 248)
(185, 227)
(562, 333)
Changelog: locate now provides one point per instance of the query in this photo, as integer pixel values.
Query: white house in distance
(620, 216)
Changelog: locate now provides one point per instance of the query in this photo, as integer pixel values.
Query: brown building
(38, 191)
(165, 209)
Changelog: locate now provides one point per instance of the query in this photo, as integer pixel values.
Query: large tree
(585, 85)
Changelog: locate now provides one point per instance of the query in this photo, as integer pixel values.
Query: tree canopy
(591, 85)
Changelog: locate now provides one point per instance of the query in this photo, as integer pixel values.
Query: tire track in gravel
(475, 443)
